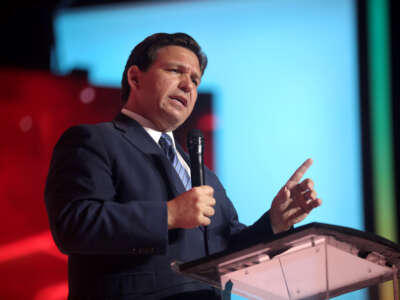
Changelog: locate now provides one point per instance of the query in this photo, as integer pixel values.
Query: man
(118, 194)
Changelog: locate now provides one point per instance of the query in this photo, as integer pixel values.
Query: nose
(186, 84)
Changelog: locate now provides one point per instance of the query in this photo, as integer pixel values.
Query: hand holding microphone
(194, 207)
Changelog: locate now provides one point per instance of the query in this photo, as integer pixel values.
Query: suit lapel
(139, 138)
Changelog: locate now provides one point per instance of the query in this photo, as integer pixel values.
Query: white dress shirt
(156, 135)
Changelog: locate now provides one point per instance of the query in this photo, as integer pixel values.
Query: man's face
(166, 93)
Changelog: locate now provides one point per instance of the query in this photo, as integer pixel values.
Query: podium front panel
(315, 269)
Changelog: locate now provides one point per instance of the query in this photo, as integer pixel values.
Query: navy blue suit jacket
(106, 197)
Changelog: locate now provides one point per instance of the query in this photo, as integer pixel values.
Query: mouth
(180, 99)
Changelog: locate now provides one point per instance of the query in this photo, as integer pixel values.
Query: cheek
(193, 102)
(163, 88)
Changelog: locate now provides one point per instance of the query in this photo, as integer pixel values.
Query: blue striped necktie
(167, 145)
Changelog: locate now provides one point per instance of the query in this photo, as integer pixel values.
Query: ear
(133, 76)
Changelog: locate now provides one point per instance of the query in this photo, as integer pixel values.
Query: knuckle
(199, 218)
(198, 206)
(210, 190)
(213, 201)
(197, 190)
(310, 183)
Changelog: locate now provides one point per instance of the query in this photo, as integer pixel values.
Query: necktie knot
(167, 145)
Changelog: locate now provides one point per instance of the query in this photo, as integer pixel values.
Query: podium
(315, 261)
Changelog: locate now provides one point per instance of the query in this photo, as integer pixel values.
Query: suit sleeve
(80, 199)
(250, 235)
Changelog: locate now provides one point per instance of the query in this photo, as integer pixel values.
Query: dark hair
(144, 54)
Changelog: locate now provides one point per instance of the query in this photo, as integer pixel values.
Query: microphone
(195, 144)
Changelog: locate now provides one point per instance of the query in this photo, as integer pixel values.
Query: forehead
(178, 55)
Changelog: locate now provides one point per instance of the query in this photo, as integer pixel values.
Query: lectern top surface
(366, 242)
(315, 261)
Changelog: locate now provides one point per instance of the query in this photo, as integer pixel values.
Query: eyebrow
(182, 66)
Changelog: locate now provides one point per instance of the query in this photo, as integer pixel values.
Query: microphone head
(194, 138)
(193, 133)
(195, 143)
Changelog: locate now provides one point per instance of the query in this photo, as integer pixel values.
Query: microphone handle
(197, 169)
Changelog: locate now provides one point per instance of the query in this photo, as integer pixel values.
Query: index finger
(208, 189)
(204, 190)
(298, 174)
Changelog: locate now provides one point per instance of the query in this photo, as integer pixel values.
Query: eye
(195, 82)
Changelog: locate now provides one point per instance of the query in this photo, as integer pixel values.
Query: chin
(173, 122)
(173, 126)
(166, 126)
